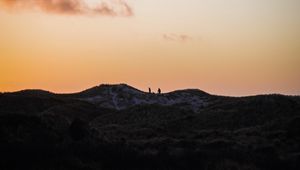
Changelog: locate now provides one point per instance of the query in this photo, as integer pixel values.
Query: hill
(121, 127)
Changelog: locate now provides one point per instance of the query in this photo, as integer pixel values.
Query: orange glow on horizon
(234, 48)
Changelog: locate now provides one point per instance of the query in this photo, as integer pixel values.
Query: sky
(225, 47)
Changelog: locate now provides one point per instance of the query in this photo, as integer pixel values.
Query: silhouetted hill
(122, 96)
(105, 88)
(32, 92)
(120, 127)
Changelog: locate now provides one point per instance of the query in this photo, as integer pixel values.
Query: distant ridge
(101, 87)
(95, 89)
(123, 96)
(32, 92)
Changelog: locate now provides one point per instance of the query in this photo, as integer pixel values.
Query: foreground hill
(120, 127)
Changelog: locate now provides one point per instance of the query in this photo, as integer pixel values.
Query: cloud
(70, 7)
(177, 37)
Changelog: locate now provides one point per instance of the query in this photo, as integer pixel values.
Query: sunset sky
(226, 47)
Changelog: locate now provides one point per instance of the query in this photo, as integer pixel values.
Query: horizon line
(116, 84)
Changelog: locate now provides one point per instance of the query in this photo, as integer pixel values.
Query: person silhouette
(159, 91)
(149, 90)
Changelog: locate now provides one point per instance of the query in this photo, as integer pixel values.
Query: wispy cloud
(70, 7)
(177, 37)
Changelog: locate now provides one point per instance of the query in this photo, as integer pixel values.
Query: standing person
(149, 90)
(159, 91)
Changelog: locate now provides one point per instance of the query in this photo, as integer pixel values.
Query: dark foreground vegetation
(44, 131)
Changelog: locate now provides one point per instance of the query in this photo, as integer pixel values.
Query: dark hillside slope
(115, 127)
